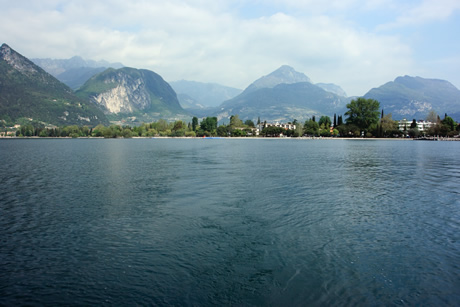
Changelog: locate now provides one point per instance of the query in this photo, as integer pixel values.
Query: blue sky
(356, 44)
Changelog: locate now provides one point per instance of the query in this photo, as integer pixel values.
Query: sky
(357, 44)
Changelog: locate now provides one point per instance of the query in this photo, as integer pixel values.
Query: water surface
(229, 222)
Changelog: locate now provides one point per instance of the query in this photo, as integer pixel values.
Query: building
(261, 126)
(404, 125)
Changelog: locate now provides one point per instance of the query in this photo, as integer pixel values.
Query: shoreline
(238, 138)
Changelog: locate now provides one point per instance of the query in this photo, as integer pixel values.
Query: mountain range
(413, 97)
(283, 95)
(75, 71)
(202, 95)
(134, 95)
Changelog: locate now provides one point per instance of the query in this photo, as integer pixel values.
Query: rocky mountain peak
(283, 75)
(17, 61)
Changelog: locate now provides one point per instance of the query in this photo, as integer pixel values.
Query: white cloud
(208, 40)
(424, 12)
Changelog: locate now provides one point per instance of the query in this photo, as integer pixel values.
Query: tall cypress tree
(335, 121)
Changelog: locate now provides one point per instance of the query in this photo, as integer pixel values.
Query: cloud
(424, 12)
(211, 41)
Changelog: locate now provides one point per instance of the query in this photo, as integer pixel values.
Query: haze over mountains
(135, 95)
(199, 95)
(75, 71)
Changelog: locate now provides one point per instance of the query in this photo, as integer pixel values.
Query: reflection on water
(229, 222)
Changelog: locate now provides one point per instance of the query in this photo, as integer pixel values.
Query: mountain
(333, 88)
(413, 97)
(76, 77)
(57, 66)
(74, 71)
(284, 74)
(202, 94)
(129, 92)
(26, 90)
(280, 97)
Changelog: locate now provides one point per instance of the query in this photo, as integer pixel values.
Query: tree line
(363, 119)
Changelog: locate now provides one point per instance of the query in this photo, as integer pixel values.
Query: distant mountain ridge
(26, 90)
(283, 95)
(285, 74)
(333, 88)
(413, 97)
(74, 71)
(128, 92)
(57, 66)
(193, 94)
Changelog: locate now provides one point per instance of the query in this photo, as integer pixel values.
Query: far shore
(236, 138)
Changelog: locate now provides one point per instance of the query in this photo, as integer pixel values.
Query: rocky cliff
(129, 91)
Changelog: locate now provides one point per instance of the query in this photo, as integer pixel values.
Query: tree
(432, 116)
(380, 128)
(326, 121)
(209, 124)
(249, 123)
(194, 123)
(178, 125)
(413, 132)
(311, 128)
(335, 121)
(222, 130)
(235, 121)
(272, 131)
(363, 113)
(339, 120)
(413, 124)
(388, 126)
(449, 123)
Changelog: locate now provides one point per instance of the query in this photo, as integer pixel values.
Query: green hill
(26, 90)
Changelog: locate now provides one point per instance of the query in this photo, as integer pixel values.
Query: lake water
(257, 222)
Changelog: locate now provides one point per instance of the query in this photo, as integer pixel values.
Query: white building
(404, 125)
(262, 125)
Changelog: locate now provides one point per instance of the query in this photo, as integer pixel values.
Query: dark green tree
(222, 130)
(449, 123)
(209, 124)
(194, 123)
(363, 113)
(339, 120)
(325, 120)
(311, 128)
(249, 123)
